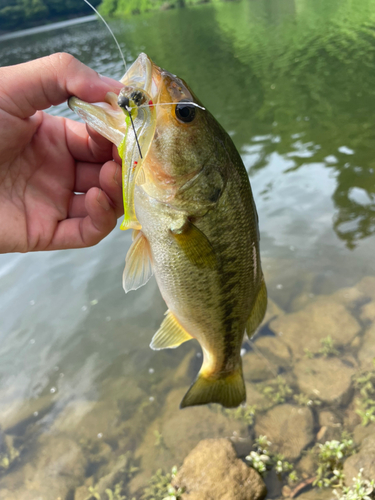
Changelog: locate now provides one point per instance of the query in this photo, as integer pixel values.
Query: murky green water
(294, 84)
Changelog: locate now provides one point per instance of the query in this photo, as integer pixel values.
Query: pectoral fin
(195, 245)
(258, 311)
(138, 264)
(170, 334)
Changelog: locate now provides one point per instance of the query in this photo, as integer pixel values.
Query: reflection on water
(293, 83)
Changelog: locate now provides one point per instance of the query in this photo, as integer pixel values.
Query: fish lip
(140, 73)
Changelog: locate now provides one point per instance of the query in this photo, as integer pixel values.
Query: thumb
(36, 85)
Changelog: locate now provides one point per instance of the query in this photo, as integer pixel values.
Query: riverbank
(8, 35)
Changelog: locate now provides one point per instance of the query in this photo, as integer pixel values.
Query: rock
(257, 368)
(318, 494)
(256, 398)
(307, 466)
(366, 353)
(330, 427)
(212, 471)
(19, 414)
(365, 460)
(368, 313)
(54, 468)
(289, 428)
(274, 350)
(172, 436)
(351, 418)
(116, 474)
(327, 379)
(367, 287)
(304, 329)
(360, 433)
(273, 310)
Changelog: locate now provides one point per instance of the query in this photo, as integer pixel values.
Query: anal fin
(258, 311)
(138, 263)
(170, 334)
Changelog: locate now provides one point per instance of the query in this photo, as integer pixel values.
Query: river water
(292, 81)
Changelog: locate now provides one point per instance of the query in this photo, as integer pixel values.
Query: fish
(189, 202)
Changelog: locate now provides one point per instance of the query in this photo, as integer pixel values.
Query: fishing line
(135, 133)
(109, 29)
(170, 103)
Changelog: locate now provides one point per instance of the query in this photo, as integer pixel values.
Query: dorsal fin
(138, 264)
(170, 334)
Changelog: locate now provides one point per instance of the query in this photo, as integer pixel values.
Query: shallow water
(293, 83)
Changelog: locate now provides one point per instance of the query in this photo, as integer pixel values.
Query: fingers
(86, 231)
(110, 182)
(108, 177)
(50, 80)
(85, 144)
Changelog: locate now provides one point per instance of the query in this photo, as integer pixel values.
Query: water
(293, 83)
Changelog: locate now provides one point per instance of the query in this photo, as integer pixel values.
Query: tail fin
(228, 391)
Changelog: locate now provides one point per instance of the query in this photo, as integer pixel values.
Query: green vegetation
(327, 350)
(160, 487)
(262, 459)
(331, 456)
(244, 413)
(118, 8)
(16, 14)
(362, 489)
(365, 383)
(278, 391)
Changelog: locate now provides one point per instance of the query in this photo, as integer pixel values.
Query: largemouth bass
(189, 201)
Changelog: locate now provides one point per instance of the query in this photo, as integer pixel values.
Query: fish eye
(185, 112)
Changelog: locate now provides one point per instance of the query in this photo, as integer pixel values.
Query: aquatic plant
(328, 349)
(331, 456)
(304, 400)
(160, 487)
(362, 489)
(278, 391)
(365, 383)
(262, 459)
(244, 413)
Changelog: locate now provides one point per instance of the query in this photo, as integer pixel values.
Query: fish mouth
(129, 121)
(107, 118)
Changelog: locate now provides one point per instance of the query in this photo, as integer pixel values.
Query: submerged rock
(318, 494)
(54, 468)
(365, 460)
(171, 437)
(289, 428)
(327, 379)
(367, 287)
(212, 471)
(257, 368)
(366, 353)
(304, 329)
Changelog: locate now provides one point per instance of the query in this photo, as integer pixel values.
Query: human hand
(58, 187)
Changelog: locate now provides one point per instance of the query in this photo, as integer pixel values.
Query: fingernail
(117, 176)
(111, 82)
(103, 201)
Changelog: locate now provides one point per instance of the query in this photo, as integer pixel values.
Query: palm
(50, 174)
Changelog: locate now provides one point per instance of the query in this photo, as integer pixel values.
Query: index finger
(36, 85)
